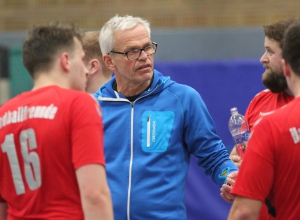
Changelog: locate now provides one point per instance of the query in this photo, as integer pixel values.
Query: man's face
(273, 77)
(79, 71)
(132, 72)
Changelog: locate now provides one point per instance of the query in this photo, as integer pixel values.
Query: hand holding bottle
(239, 129)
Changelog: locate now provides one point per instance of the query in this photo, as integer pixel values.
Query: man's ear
(94, 66)
(109, 62)
(286, 68)
(64, 61)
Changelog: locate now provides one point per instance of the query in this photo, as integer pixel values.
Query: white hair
(117, 23)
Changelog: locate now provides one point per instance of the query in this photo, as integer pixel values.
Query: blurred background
(22, 14)
(212, 45)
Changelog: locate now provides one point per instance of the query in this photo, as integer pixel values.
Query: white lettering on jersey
(295, 134)
(24, 113)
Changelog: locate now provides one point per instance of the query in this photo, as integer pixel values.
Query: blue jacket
(148, 144)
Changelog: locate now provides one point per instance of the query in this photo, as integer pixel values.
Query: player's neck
(47, 79)
(288, 91)
(295, 87)
(96, 82)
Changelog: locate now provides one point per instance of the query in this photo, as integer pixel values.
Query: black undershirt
(132, 98)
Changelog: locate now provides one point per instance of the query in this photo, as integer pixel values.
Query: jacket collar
(159, 83)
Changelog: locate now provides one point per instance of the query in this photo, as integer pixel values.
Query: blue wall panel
(222, 84)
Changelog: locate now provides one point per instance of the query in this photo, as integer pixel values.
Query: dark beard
(275, 82)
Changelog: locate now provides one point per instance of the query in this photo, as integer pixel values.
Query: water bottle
(239, 129)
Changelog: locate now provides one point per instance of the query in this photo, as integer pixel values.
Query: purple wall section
(223, 84)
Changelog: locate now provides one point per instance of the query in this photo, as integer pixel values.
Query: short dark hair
(276, 30)
(291, 47)
(45, 41)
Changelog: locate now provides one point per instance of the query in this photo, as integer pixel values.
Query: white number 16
(31, 159)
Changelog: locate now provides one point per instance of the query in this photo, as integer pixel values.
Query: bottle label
(240, 138)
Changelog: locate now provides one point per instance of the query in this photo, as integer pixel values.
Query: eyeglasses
(136, 53)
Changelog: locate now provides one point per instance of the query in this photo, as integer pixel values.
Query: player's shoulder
(79, 101)
(10, 103)
(282, 114)
(69, 98)
(73, 94)
(264, 93)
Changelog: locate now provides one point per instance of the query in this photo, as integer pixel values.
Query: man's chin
(274, 85)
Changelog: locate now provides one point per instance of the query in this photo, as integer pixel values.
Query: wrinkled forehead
(136, 35)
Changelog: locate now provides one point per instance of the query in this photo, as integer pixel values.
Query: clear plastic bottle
(239, 129)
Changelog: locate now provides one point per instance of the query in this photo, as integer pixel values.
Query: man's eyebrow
(268, 47)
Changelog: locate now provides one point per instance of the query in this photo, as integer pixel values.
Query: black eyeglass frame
(142, 49)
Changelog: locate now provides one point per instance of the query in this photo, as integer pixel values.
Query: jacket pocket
(156, 130)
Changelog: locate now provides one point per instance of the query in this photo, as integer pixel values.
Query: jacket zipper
(130, 162)
(148, 131)
(131, 147)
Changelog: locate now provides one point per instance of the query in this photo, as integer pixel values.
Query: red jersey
(275, 174)
(265, 103)
(45, 135)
